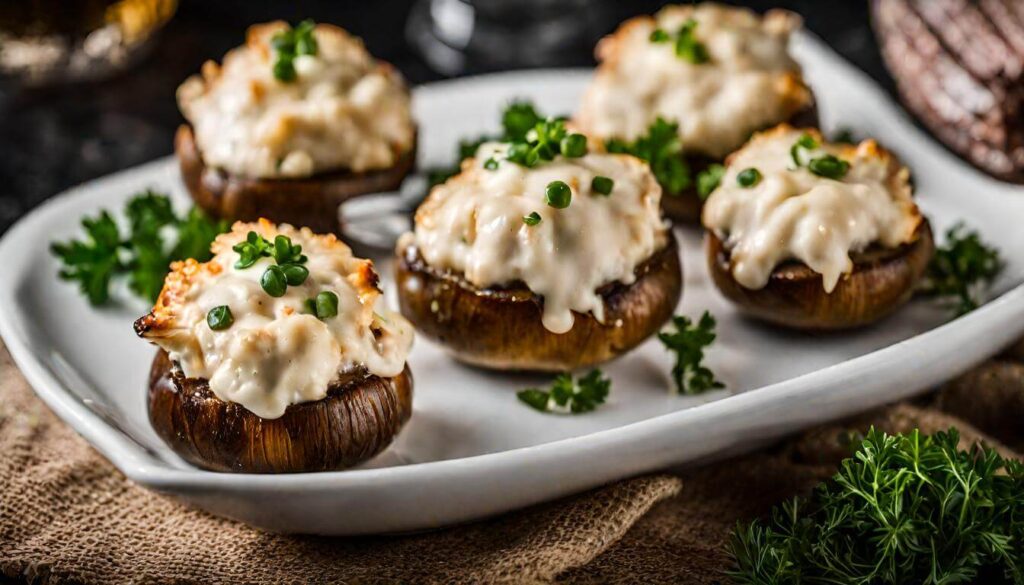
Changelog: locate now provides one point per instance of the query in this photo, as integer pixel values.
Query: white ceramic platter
(471, 449)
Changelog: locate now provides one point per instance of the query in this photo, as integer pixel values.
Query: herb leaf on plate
(567, 395)
(961, 269)
(143, 255)
(94, 261)
(903, 509)
(688, 342)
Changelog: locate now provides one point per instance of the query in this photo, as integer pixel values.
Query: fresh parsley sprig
(688, 341)
(568, 396)
(289, 44)
(903, 509)
(660, 148)
(143, 255)
(961, 269)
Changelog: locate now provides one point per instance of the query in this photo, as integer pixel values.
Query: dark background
(55, 138)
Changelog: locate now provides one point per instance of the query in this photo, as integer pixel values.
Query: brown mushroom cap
(500, 328)
(357, 419)
(307, 202)
(882, 280)
(685, 207)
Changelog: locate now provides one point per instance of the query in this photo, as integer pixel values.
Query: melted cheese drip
(749, 83)
(793, 214)
(274, 355)
(473, 224)
(343, 111)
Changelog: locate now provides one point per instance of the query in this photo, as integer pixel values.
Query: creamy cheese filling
(748, 83)
(344, 110)
(794, 214)
(473, 224)
(276, 353)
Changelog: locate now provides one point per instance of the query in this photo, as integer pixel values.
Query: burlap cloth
(67, 516)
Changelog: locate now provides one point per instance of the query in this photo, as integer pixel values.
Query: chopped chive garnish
(602, 185)
(748, 177)
(798, 150)
(574, 145)
(828, 166)
(326, 305)
(274, 282)
(295, 274)
(220, 318)
(491, 164)
(558, 195)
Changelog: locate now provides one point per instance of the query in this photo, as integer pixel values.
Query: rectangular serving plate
(472, 450)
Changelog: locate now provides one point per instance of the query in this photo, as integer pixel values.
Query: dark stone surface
(53, 139)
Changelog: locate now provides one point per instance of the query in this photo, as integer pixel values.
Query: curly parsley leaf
(566, 395)
(94, 261)
(663, 151)
(961, 269)
(903, 509)
(143, 255)
(688, 342)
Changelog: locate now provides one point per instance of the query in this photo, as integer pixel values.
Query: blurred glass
(52, 41)
(457, 36)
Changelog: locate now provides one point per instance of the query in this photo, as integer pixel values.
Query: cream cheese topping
(276, 354)
(473, 224)
(344, 110)
(793, 214)
(750, 82)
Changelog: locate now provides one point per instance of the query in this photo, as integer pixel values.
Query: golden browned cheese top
(276, 353)
(343, 111)
(795, 214)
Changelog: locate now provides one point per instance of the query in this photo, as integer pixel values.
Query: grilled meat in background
(959, 67)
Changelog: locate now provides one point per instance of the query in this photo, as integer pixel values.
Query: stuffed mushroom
(292, 124)
(688, 86)
(516, 264)
(812, 235)
(274, 357)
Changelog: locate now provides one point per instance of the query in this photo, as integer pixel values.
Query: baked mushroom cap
(501, 328)
(881, 281)
(309, 202)
(357, 419)
(686, 207)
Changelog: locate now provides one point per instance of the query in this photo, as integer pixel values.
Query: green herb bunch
(904, 509)
(565, 394)
(143, 255)
(688, 341)
(289, 44)
(961, 268)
